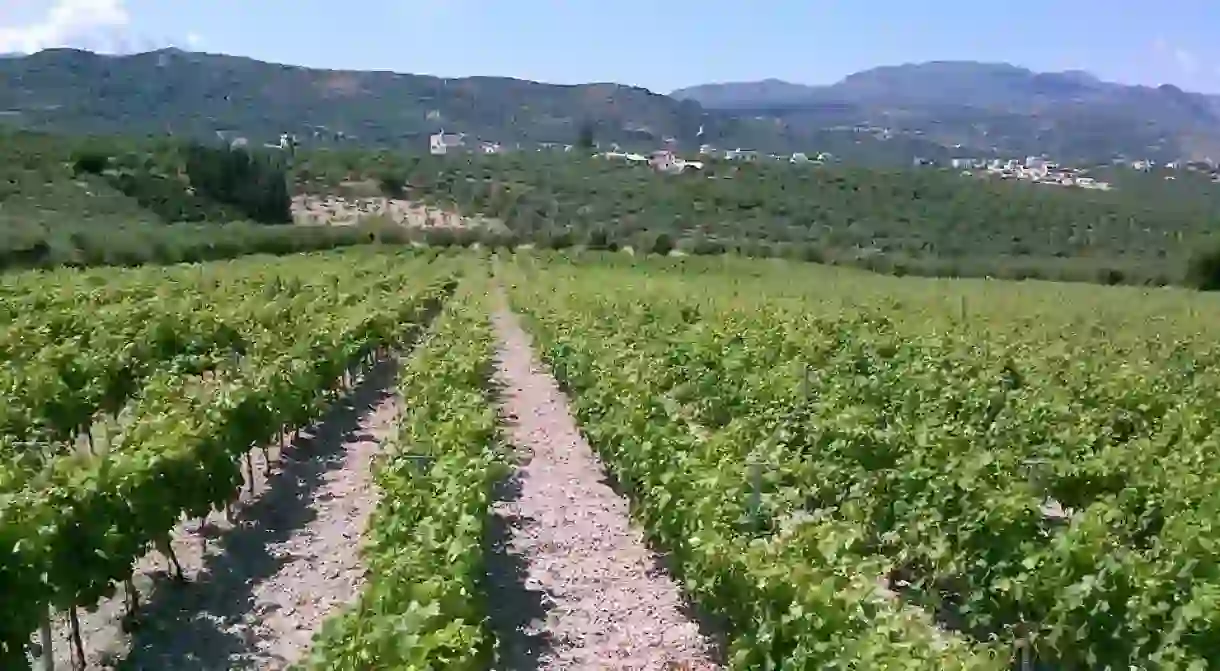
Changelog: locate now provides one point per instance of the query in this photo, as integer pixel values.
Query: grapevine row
(68, 540)
(422, 606)
(923, 445)
(56, 391)
(803, 598)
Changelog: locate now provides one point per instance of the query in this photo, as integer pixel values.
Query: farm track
(258, 589)
(572, 584)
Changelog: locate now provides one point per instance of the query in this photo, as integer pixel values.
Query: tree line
(125, 201)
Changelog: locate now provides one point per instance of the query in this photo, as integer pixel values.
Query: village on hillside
(668, 160)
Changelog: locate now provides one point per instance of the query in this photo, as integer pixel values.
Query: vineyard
(835, 469)
(1018, 467)
(133, 398)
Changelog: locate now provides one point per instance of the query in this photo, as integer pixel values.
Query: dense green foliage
(1204, 269)
(845, 470)
(423, 607)
(194, 182)
(923, 221)
(255, 183)
(292, 333)
(1033, 464)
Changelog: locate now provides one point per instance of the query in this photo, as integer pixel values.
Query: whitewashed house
(441, 143)
(663, 161)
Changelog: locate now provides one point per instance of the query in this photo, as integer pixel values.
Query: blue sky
(659, 44)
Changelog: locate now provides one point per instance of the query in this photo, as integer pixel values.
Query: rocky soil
(259, 587)
(574, 585)
(345, 211)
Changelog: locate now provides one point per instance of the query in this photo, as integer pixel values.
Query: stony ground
(257, 589)
(574, 585)
(345, 211)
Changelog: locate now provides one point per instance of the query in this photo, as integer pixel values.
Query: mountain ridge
(887, 114)
(948, 100)
(940, 67)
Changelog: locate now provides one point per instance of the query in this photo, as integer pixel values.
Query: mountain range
(886, 115)
(994, 107)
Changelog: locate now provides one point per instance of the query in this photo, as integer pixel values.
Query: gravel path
(573, 585)
(258, 589)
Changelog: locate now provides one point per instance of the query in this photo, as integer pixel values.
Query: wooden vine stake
(131, 596)
(231, 505)
(78, 646)
(266, 450)
(46, 640)
(249, 473)
(279, 450)
(166, 548)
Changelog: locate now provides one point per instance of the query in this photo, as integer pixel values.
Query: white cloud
(193, 40)
(67, 23)
(1185, 60)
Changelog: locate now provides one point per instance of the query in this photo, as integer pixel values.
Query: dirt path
(573, 585)
(261, 587)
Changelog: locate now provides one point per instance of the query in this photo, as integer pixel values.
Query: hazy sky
(659, 44)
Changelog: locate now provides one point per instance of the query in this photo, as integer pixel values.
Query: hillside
(904, 221)
(129, 208)
(991, 108)
(199, 94)
(136, 204)
(202, 95)
(884, 116)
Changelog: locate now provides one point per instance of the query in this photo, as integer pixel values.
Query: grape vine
(70, 535)
(422, 606)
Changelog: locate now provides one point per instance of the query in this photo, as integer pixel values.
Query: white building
(440, 143)
(667, 161)
(663, 161)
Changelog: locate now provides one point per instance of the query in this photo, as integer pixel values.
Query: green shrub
(392, 183)
(89, 162)
(255, 183)
(1203, 270)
